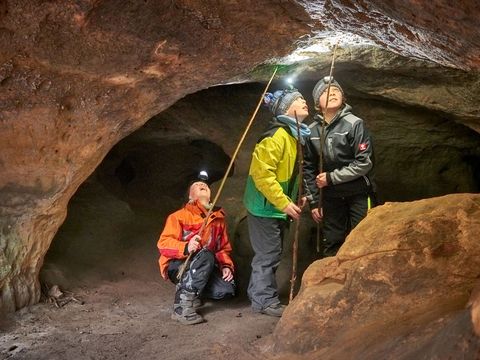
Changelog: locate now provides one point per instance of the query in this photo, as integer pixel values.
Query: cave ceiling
(440, 31)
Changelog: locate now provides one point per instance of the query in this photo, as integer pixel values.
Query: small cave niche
(125, 172)
(153, 176)
(116, 216)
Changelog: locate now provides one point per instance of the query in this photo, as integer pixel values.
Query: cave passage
(105, 252)
(120, 210)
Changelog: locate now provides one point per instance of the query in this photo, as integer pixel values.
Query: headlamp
(328, 79)
(203, 175)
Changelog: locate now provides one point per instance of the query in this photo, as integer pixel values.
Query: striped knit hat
(281, 100)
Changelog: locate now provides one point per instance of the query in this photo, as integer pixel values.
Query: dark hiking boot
(274, 310)
(183, 308)
(197, 302)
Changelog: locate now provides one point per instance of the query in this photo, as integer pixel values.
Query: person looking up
(270, 195)
(346, 176)
(210, 272)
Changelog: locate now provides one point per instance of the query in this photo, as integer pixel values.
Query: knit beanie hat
(321, 86)
(279, 102)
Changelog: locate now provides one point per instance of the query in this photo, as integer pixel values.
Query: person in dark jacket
(346, 176)
(270, 195)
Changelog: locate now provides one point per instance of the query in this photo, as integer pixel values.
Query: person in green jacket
(270, 195)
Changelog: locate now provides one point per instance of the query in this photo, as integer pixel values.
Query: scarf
(292, 124)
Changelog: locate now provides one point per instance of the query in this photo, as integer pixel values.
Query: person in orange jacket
(210, 271)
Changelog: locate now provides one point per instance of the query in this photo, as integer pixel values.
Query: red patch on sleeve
(363, 146)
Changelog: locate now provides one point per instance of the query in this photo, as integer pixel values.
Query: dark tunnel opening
(118, 213)
(474, 162)
(125, 172)
(144, 173)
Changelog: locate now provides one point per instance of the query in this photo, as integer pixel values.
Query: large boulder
(404, 276)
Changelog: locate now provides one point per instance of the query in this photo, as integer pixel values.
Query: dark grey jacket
(347, 157)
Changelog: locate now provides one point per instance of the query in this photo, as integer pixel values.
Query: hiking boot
(197, 303)
(183, 308)
(274, 310)
(186, 316)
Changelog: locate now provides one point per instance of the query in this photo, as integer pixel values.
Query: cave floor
(130, 318)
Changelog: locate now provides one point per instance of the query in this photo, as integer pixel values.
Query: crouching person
(209, 273)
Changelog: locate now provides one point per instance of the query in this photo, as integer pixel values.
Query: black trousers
(340, 216)
(202, 277)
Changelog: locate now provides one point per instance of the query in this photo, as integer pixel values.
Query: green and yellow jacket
(271, 183)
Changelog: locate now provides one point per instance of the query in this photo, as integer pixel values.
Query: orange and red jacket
(183, 224)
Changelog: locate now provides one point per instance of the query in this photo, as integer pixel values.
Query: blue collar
(292, 124)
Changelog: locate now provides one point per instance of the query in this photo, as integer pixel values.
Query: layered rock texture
(438, 30)
(76, 77)
(398, 289)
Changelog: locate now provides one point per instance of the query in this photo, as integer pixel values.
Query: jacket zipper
(367, 180)
(330, 148)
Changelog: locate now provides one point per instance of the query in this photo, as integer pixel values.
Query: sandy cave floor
(130, 318)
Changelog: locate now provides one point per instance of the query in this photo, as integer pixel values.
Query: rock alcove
(144, 177)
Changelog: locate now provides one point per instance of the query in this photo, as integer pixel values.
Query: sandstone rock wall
(404, 276)
(77, 76)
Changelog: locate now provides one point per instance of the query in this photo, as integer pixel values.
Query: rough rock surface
(474, 303)
(440, 31)
(404, 276)
(77, 76)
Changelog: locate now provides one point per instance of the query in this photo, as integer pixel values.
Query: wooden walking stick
(322, 143)
(299, 203)
(184, 266)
